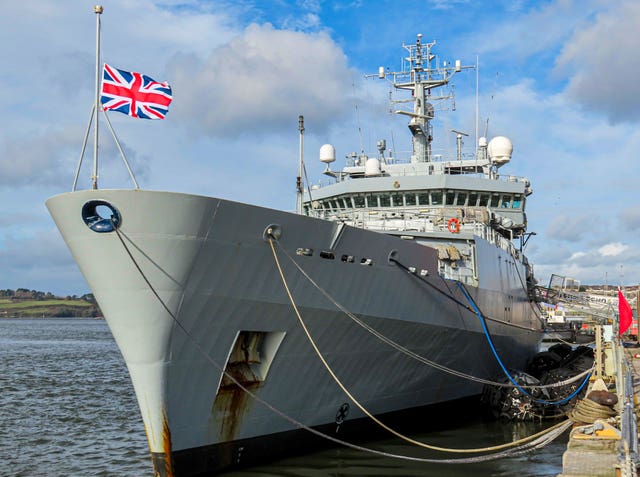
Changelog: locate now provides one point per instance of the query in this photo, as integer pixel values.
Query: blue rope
(504, 369)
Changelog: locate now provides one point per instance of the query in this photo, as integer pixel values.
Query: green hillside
(23, 303)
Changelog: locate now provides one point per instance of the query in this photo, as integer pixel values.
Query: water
(67, 408)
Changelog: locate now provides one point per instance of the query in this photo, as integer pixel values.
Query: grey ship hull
(186, 276)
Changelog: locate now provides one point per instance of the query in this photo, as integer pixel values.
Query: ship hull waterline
(190, 289)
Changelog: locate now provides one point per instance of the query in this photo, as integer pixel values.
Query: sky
(559, 78)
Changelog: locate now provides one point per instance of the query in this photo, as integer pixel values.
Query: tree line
(26, 294)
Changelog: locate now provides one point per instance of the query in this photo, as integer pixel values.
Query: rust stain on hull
(232, 402)
(166, 446)
(163, 462)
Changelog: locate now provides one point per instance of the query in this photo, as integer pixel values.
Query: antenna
(299, 178)
(355, 103)
(459, 135)
(477, 93)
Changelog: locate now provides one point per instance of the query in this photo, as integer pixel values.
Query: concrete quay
(604, 440)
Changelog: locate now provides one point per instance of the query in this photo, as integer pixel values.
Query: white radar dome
(500, 149)
(372, 167)
(327, 153)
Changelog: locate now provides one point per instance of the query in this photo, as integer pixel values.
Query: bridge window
(423, 199)
(495, 200)
(517, 202)
(410, 199)
(473, 199)
(372, 200)
(450, 197)
(385, 200)
(506, 201)
(461, 198)
(484, 200)
(396, 200)
(358, 201)
(436, 198)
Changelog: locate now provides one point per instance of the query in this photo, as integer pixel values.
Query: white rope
(416, 356)
(361, 407)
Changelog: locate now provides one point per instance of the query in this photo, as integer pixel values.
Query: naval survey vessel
(245, 328)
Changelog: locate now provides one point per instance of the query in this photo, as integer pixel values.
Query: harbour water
(67, 407)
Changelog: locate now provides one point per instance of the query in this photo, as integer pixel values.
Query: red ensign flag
(624, 313)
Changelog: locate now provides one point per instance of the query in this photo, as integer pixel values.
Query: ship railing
(419, 171)
(384, 220)
(469, 163)
(408, 221)
(493, 237)
(574, 302)
(404, 157)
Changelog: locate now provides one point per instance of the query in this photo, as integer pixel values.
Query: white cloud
(260, 82)
(613, 249)
(602, 63)
(576, 256)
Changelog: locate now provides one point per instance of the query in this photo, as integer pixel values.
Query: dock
(604, 439)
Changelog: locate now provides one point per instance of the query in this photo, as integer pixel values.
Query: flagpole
(94, 178)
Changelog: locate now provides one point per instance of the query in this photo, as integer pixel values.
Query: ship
(245, 329)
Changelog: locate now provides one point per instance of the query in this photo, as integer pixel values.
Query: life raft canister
(453, 225)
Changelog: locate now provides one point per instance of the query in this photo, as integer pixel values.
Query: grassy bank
(56, 307)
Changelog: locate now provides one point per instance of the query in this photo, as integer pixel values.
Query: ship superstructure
(433, 199)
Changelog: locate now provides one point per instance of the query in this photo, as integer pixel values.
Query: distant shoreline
(97, 318)
(23, 303)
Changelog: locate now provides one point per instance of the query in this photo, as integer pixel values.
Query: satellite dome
(327, 153)
(500, 149)
(372, 167)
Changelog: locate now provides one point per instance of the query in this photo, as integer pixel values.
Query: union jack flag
(134, 94)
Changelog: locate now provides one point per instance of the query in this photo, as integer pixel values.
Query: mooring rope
(541, 439)
(416, 356)
(587, 411)
(361, 406)
(474, 308)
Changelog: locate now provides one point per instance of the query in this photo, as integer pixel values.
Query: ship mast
(299, 190)
(421, 74)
